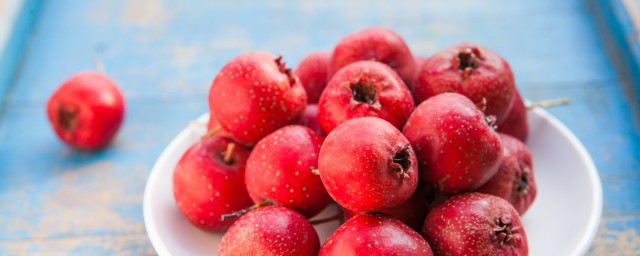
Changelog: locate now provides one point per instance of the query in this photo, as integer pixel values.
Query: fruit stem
(548, 103)
(245, 210)
(338, 216)
(229, 153)
(212, 132)
(315, 171)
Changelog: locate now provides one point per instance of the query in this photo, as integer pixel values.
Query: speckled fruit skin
(279, 170)
(491, 78)
(516, 124)
(86, 111)
(313, 72)
(378, 44)
(514, 181)
(457, 149)
(205, 187)
(475, 224)
(412, 212)
(358, 169)
(310, 119)
(254, 94)
(271, 230)
(375, 234)
(365, 88)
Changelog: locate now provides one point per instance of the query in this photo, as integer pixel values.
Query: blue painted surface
(619, 22)
(25, 13)
(164, 54)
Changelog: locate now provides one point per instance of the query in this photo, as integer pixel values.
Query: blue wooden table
(164, 54)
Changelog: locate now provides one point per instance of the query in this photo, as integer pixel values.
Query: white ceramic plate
(562, 221)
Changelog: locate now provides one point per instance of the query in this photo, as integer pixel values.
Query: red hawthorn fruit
(86, 111)
(378, 44)
(471, 70)
(364, 88)
(313, 72)
(254, 94)
(208, 182)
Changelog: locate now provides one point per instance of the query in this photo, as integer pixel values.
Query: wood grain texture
(164, 55)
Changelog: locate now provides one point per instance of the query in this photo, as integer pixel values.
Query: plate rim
(595, 215)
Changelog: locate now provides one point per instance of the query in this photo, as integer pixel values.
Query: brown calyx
(67, 118)
(503, 234)
(364, 90)
(401, 162)
(523, 181)
(282, 67)
(468, 60)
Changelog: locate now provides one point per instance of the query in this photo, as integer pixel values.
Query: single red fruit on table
(86, 111)
(457, 148)
(366, 165)
(516, 124)
(310, 119)
(271, 230)
(412, 212)
(475, 224)
(313, 72)
(364, 88)
(280, 171)
(208, 182)
(254, 94)
(375, 234)
(471, 70)
(378, 44)
(514, 181)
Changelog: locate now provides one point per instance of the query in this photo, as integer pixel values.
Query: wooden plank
(96, 245)
(16, 18)
(174, 50)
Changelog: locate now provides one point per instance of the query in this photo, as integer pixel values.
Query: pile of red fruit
(424, 156)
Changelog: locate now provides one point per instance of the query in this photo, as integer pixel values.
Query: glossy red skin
(379, 44)
(271, 230)
(375, 234)
(464, 225)
(516, 124)
(205, 187)
(279, 170)
(457, 150)
(356, 165)
(251, 97)
(313, 72)
(337, 104)
(99, 110)
(492, 80)
(412, 212)
(514, 181)
(310, 119)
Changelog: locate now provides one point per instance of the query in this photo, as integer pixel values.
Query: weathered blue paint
(164, 55)
(18, 23)
(622, 36)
